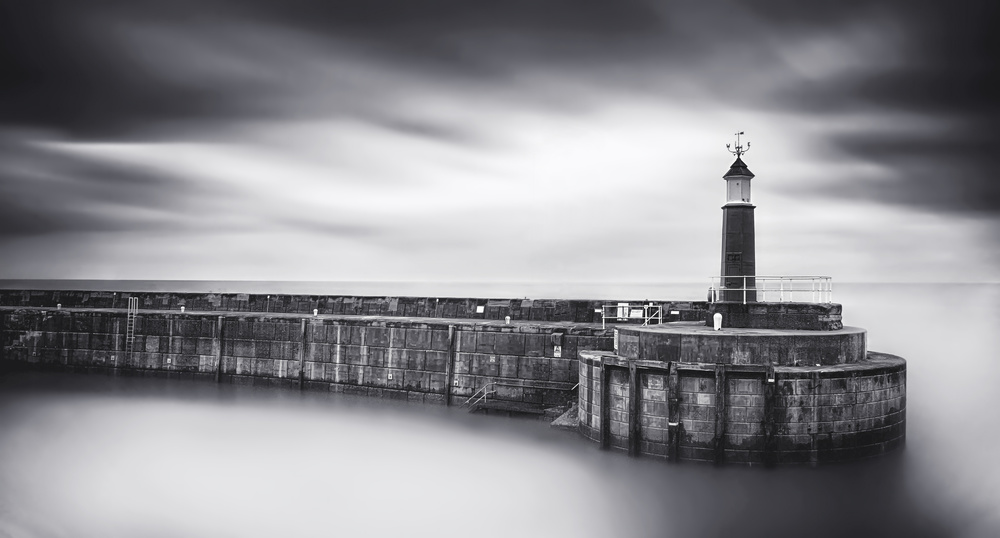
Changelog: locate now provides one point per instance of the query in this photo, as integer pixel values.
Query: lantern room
(738, 183)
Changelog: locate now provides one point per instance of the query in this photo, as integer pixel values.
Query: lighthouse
(738, 253)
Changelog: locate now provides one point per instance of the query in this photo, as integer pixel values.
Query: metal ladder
(133, 312)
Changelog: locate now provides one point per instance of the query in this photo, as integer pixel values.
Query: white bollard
(315, 311)
(717, 321)
(182, 310)
(507, 320)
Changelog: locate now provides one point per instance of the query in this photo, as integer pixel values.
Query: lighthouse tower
(738, 253)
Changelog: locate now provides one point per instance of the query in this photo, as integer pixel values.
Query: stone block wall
(840, 415)
(590, 396)
(797, 316)
(735, 414)
(384, 357)
(98, 340)
(653, 423)
(619, 407)
(697, 405)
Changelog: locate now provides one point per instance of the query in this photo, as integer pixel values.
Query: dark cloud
(46, 192)
(69, 67)
(934, 172)
(63, 71)
(948, 74)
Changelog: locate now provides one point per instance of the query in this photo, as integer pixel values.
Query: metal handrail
(762, 289)
(490, 388)
(624, 312)
(485, 392)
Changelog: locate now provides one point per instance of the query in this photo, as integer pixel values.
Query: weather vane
(739, 148)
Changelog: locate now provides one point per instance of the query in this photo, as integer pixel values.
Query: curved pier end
(684, 392)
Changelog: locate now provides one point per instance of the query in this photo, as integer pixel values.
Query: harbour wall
(678, 391)
(419, 359)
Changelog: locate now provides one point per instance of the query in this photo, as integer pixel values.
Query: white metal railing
(625, 312)
(771, 289)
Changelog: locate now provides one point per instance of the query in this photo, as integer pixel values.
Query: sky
(482, 140)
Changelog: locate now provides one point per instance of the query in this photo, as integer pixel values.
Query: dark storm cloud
(67, 67)
(45, 192)
(62, 71)
(949, 73)
(949, 171)
(947, 69)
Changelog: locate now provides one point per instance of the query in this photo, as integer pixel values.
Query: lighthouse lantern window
(738, 191)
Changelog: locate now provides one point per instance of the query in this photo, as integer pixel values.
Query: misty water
(93, 455)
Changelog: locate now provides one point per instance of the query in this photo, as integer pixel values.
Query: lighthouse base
(802, 316)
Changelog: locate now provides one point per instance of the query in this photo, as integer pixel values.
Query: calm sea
(97, 456)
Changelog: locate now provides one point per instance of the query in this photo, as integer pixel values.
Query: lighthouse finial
(739, 148)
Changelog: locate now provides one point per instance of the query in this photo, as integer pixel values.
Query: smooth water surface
(91, 455)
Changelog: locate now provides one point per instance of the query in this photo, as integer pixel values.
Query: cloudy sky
(478, 140)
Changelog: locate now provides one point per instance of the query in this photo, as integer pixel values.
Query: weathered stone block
(397, 337)
(534, 345)
(397, 358)
(415, 359)
(377, 336)
(436, 361)
(466, 341)
(418, 338)
(463, 363)
(378, 377)
(377, 357)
